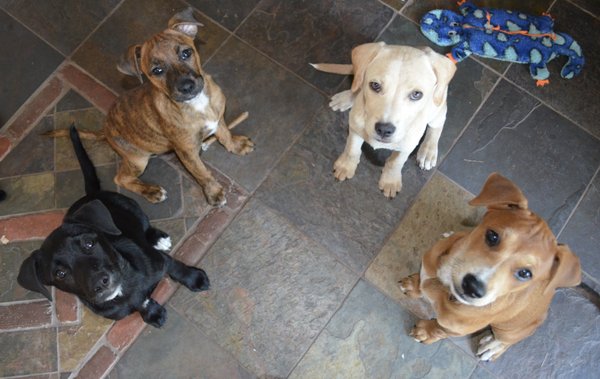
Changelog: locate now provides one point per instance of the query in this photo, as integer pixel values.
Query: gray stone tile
(581, 232)
(296, 32)
(547, 156)
(177, 350)
(576, 98)
(351, 218)
(565, 346)
(69, 185)
(34, 154)
(272, 291)
(11, 257)
(368, 338)
(16, 349)
(591, 6)
(25, 194)
(280, 106)
(23, 72)
(229, 13)
(481, 373)
(72, 101)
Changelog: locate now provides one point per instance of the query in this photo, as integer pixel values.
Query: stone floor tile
(72, 101)
(272, 290)
(27, 194)
(160, 353)
(69, 185)
(351, 218)
(517, 136)
(34, 154)
(591, 6)
(64, 24)
(253, 83)
(132, 23)
(296, 32)
(441, 207)
(23, 72)
(11, 257)
(16, 348)
(229, 13)
(581, 232)
(368, 338)
(482, 373)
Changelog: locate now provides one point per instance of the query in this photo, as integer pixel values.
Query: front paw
(153, 313)
(153, 193)
(342, 101)
(427, 331)
(198, 280)
(390, 183)
(427, 156)
(490, 348)
(410, 286)
(215, 195)
(344, 168)
(241, 145)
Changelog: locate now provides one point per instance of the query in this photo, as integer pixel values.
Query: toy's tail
(567, 46)
(334, 68)
(92, 183)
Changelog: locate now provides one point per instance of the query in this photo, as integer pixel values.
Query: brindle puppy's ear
(500, 193)
(95, 215)
(185, 23)
(129, 64)
(362, 55)
(566, 270)
(29, 275)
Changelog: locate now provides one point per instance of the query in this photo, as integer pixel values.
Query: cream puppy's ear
(500, 193)
(362, 55)
(444, 70)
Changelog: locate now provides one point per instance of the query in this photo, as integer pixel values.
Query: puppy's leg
(390, 181)
(494, 344)
(153, 313)
(428, 152)
(411, 286)
(189, 156)
(192, 277)
(240, 145)
(428, 331)
(158, 239)
(345, 166)
(131, 168)
(342, 101)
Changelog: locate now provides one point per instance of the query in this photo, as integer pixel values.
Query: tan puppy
(396, 92)
(503, 273)
(175, 110)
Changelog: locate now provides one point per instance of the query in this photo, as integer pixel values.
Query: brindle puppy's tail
(85, 134)
(92, 183)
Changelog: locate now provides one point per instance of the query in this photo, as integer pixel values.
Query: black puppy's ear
(95, 215)
(29, 277)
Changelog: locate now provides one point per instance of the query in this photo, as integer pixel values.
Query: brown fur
(513, 308)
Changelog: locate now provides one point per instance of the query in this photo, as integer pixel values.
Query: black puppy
(107, 254)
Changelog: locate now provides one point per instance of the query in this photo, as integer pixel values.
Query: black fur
(106, 242)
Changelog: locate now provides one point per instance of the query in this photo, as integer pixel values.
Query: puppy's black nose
(384, 129)
(102, 283)
(186, 86)
(473, 287)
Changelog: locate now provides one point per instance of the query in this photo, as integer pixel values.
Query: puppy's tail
(334, 68)
(92, 183)
(97, 135)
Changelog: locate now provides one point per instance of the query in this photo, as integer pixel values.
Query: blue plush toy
(504, 35)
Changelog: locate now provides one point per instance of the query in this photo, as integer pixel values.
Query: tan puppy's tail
(96, 135)
(334, 68)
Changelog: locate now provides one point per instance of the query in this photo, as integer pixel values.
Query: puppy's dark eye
(157, 71)
(416, 95)
(185, 54)
(88, 244)
(524, 275)
(491, 238)
(60, 274)
(376, 87)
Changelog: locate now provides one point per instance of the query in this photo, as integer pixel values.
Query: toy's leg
(539, 72)
(459, 53)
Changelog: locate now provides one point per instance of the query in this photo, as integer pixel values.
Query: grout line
(597, 17)
(576, 207)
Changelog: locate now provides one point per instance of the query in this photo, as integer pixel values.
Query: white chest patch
(118, 292)
(200, 102)
(211, 127)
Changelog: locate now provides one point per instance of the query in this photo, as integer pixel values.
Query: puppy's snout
(186, 86)
(473, 287)
(384, 129)
(102, 283)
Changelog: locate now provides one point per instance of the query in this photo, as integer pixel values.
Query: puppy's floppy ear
(500, 193)
(444, 70)
(29, 275)
(185, 22)
(129, 64)
(566, 270)
(95, 215)
(362, 55)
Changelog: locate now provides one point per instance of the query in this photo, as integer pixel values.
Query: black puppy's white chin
(109, 294)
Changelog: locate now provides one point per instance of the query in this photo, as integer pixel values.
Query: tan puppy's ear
(362, 55)
(129, 64)
(444, 70)
(185, 22)
(566, 270)
(500, 193)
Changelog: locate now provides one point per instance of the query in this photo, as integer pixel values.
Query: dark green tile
(27, 194)
(11, 257)
(28, 352)
(72, 101)
(229, 13)
(34, 154)
(69, 185)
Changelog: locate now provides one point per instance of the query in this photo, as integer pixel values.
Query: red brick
(67, 307)
(5, 147)
(34, 109)
(98, 365)
(96, 93)
(125, 331)
(25, 315)
(35, 226)
(165, 289)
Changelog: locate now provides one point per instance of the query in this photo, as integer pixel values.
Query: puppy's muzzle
(473, 287)
(384, 130)
(187, 87)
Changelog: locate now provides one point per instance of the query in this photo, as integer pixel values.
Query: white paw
(427, 156)
(490, 348)
(163, 195)
(342, 101)
(344, 168)
(390, 183)
(163, 244)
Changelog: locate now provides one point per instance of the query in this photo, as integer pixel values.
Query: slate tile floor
(304, 269)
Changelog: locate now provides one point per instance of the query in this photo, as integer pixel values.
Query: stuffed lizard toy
(504, 35)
